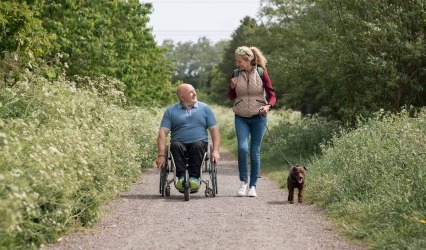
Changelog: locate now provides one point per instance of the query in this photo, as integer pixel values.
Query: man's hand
(161, 146)
(161, 159)
(216, 157)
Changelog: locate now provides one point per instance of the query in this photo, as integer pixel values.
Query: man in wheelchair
(188, 121)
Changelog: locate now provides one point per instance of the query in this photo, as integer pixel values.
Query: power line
(181, 34)
(192, 31)
(201, 2)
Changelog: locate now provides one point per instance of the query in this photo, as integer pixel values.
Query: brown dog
(296, 179)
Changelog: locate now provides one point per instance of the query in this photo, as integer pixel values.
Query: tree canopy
(346, 58)
(342, 58)
(195, 63)
(88, 38)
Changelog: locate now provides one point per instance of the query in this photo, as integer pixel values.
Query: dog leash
(276, 145)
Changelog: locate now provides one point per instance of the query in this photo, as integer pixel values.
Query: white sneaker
(243, 189)
(252, 192)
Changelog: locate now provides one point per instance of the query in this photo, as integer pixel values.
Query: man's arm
(161, 146)
(215, 134)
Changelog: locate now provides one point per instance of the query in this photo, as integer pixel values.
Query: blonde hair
(252, 54)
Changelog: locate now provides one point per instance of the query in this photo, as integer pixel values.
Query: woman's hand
(265, 109)
(234, 82)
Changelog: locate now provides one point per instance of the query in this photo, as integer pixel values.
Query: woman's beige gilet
(250, 94)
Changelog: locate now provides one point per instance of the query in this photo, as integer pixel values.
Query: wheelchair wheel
(206, 159)
(168, 191)
(187, 186)
(163, 180)
(187, 194)
(163, 176)
(208, 192)
(213, 173)
(214, 178)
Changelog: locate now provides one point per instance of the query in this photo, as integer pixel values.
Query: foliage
(89, 38)
(225, 119)
(348, 58)
(293, 139)
(242, 36)
(21, 30)
(338, 59)
(298, 140)
(372, 181)
(111, 38)
(23, 40)
(195, 63)
(64, 151)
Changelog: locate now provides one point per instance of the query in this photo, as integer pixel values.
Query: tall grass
(297, 138)
(291, 141)
(372, 181)
(64, 151)
(225, 117)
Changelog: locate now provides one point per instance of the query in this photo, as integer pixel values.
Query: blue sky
(188, 20)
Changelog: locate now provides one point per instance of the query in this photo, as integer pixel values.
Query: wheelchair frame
(208, 165)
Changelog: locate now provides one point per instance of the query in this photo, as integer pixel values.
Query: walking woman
(253, 95)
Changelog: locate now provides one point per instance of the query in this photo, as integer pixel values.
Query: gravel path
(141, 219)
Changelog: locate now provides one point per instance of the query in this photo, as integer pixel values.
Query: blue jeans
(254, 128)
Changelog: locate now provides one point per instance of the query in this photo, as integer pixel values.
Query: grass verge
(371, 181)
(65, 151)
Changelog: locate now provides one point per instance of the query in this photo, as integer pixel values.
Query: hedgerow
(64, 151)
(372, 181)
(298, 140)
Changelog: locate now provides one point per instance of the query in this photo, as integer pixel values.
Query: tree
(346, 58)
(245, 35)
(91, 38)
(194, 62)
(111, 38)
(23, 40)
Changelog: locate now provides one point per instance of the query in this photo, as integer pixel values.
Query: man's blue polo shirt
(188, 126)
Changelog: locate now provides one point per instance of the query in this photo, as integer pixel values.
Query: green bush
(64, 151)
(372, 180)
(225, 119)
(276, 118)
(298, 140)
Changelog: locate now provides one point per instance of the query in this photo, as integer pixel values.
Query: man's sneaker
(179, 184)
(252, 192)
(243, 189)
(194, 182)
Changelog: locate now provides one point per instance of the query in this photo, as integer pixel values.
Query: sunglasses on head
(241, 50)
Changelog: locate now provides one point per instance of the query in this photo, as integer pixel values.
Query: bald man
(189, 121)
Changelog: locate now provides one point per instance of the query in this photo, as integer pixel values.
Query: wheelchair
(208, 170)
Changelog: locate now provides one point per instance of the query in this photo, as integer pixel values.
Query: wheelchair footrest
(192, 191)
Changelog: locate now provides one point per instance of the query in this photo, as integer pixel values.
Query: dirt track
(141, 219)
